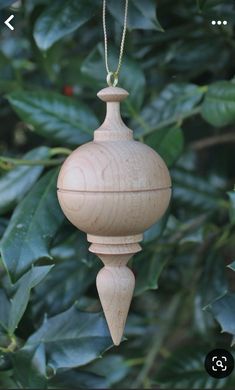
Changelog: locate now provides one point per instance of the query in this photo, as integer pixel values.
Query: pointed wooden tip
(115, 285)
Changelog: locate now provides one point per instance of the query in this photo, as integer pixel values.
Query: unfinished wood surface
(115, 284)
(114, 188)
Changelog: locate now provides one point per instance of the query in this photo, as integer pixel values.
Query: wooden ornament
(114, 188)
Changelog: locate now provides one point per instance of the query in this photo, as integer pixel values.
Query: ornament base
(115, 281)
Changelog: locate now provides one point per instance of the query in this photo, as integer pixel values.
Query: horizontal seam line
(116, 191)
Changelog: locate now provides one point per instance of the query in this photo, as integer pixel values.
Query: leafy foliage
(186, 370)
(218, 106)
(179, 71)
(54, 116)
(28, 234)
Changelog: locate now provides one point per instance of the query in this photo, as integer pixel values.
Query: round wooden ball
(114, 186)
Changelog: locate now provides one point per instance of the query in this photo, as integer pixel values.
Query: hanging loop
(112, 79)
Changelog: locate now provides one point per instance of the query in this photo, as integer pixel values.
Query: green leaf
(156, 230)
(4, 310)
(111, 367)
(218, 107)
(60, 19)
(72, 338)
(75, 270)
(7, 381)
(142, 15)
(193, 190)
(148, 270)
(76, 379)
(3, 226)
(213, 283)
(53, 116)
(30, 367)
(168, 142)
(231, 195)
(223, 310)
(207, 4)
(232, 266)
(16, 183)
(32, 226)
(131, 76)
(185, 370)
(6, 3)
(22, 295)
(173, 103)
(100, 374)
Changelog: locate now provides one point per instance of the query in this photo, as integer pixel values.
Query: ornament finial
(115, 284)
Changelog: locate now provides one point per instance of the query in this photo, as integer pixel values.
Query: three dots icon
(219, 22)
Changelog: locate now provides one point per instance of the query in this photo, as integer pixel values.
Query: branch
(11, 162)
(211, 141)
(158, 339)
(7, 163)
(168, 122)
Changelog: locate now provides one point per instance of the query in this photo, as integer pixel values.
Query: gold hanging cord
(112, 77)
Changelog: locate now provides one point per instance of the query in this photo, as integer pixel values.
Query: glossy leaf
(219, 105)
(78, 379)
(168, 143)
(30, 367)
(32, 226)
(3, 226)
(232, 266)
(141, 15)
(75, 269)
(112, 367)
(173, 103)
(100, 374)
(232, 206)
(207, 4)
(156, 230)
(16, 183)
(4, 310)
(185, 370)
(193, 190)
(53, 116)
(223, 311)
(72, 338)
(60, 19)
(6, 3)
(21, 298)
(147, 269)
(213, 283)
(131, 77)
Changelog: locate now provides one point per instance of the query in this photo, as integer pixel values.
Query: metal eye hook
(112, 79)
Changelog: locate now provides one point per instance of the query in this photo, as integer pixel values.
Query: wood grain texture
(114, 188)
(115, 284)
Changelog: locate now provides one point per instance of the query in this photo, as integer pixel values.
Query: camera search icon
(219, 363)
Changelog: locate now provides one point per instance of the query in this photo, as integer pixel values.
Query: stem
(211, 141)
(137, 117)
(170, 121)
(15, 162)
(11, 347)
(158, 339)
(55, 151)
(135, 362)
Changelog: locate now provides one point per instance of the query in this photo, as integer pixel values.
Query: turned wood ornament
(114, 188)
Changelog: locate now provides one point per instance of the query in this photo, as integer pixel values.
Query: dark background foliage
(179, 70)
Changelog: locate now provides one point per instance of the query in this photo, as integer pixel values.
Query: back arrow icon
(8, 24)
